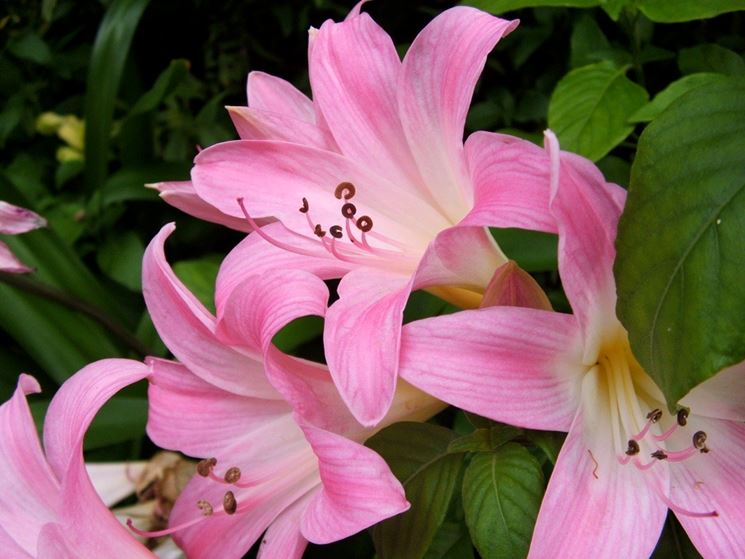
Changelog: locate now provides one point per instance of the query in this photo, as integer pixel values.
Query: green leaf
(589, 45)
(199, 276)
(31, 47)
(104, 74)
(590, 108)
(614, 7)
(550, 442)
(710, 58)
(120, 258)
(298, 332)
(668, 11)
(484, 440)
(502, 492)
(166, 83)
(501, 6)
(417, 455)
(451, 542)
(681, 294)
(532, 250)
(678, 88)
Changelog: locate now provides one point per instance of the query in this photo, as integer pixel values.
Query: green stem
(55, 295)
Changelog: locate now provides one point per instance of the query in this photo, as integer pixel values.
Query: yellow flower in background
(69, 128)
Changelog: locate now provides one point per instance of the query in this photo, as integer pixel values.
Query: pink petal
(9, 262)
(713, 481)
(29, 491)
(201, 420)
(721, 396)
(514, 287)
(255, 124)
(587, 214)
(354, 71)
(254, 255)
(272, 94)
(615, 514)
(187, 328)
(519, 366)
(358, 489)
(10, 547)
(370, 307)
(283, 539)
(244, 169)
(440, 71)
(14, 220)
(181, 195)
(511, 183)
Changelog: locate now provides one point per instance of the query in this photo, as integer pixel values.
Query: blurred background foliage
(100, 98)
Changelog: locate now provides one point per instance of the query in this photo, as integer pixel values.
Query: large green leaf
(166, 83)
(199, 276)
(681, 293)
(669, 11)
(665, 98)
(120, 258)
(502, 492)
(710, 58)
(590, 108)
(501, 6)
(451, 542)
(417, 455)
(484, 440)
(104, 74)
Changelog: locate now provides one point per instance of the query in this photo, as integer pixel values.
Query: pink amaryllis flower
(297, 469)
(48, 507)
(625, 461)
(371, 181)
(15, 220)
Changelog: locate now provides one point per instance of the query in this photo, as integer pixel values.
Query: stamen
(666, 435)
(233, 474)
(680, 510)
(318, 231)
(305, 207)
(205, 507)
(229, 503)
(655, 415)
(659, 454)
(633, 448)
(646, 466)
(364, 223)
(682, 417)
(699, 441)
(335, 231)
(204, 467)
(680, 455)
(349, 232)
(165, 532)
(345, 189)
(348, 210)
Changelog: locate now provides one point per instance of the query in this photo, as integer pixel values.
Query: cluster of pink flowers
(370, 182)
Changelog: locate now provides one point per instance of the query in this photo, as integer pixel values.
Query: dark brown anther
(229, 503)
(348, 210)
(364, 224)
(655, 415)
(204, 467)
(233, 474)
(682, 417)
(345, 190)
(318, 231)
(659, 454)
(699, 441)
(205, 507)
(305, 207)
(633, 448)
(335, 231)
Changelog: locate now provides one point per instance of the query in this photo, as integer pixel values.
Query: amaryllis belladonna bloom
(371, 182)
(15, 220)
(297, 469)
(626, 461)
(48, 507)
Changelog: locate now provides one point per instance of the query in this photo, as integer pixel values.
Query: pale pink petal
(29, 491)
(53, 543)
(270, 93)
(10, 547)
(370, 308)
(283, 539)
(440, 72)
(201, 420)
(14, 220)
(354, 71)
(254, 255)
(181, 195)
(255, 124)
(9, 262)
(713, 482)
(721, 396)
(116, 480)
(187, 328)
(590, 510)
(519, 366)
(511, 183)
(273, 177)
(358, 489)
(460, 256)
(587, 215)
(355, 11)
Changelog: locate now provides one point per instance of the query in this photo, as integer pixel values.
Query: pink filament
(666, 435)
(165, 532)
(643, 433)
